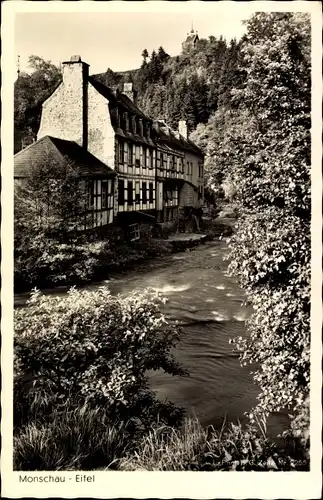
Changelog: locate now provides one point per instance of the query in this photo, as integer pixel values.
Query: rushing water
(208, 305)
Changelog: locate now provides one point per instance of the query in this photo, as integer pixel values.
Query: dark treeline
(190, 86)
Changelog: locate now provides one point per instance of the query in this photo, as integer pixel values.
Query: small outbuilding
(60, 153)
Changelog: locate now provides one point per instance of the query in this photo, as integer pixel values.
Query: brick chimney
(129, 91)
(182, 128)
(75, 81)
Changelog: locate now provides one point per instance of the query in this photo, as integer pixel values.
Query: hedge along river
(208, 304)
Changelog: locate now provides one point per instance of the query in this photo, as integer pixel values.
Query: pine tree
(145, 56)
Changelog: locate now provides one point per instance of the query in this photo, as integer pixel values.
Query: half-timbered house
(158, 171)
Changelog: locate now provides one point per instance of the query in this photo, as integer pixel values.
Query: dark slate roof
(117, 98)
(169, 137)
(59, 150)
(134, 137)
(163, 134)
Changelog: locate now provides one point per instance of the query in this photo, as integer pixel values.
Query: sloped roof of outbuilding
(59, 150)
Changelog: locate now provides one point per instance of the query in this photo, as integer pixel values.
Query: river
(208, 305)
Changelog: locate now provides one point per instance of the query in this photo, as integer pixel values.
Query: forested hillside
(190, 86)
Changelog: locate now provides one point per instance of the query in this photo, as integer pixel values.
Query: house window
(137, 192)
(96, 195)
(141, 128)
(151, 159)
(174, 163)
(137, 158)
(130, 193)
(165, 161)
(121, 192)
(134, 124)
(134, 232)
(105, 194)
(108, 188)
(144, 156)
(144, 193)
(121, 152)
(148, 130)
(151, 192)
(100, 209)
(161, 161)
(126, 121)
(130, 154)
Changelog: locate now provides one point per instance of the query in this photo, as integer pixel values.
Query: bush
(40, 260)
(92, 348)
(43, 261)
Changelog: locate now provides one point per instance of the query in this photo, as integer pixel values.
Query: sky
(115, 39)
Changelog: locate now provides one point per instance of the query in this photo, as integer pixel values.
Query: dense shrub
(92, 348)
(44, 261)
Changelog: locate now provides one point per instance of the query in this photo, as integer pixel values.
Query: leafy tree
(268, 153)
(30, 91)
(50, 208)
(192, 82)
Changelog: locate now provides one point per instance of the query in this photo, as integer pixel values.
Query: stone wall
(169, 227)
(188, 196)
(101, 136)
(64, 113)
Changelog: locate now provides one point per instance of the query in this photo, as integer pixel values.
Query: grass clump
(194, 448)
(80, 439)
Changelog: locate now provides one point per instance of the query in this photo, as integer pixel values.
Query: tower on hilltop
(191, 40)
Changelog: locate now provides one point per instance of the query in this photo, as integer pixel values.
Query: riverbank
(70, 347)
(101, 260)
(206, 303)
(102, 445)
